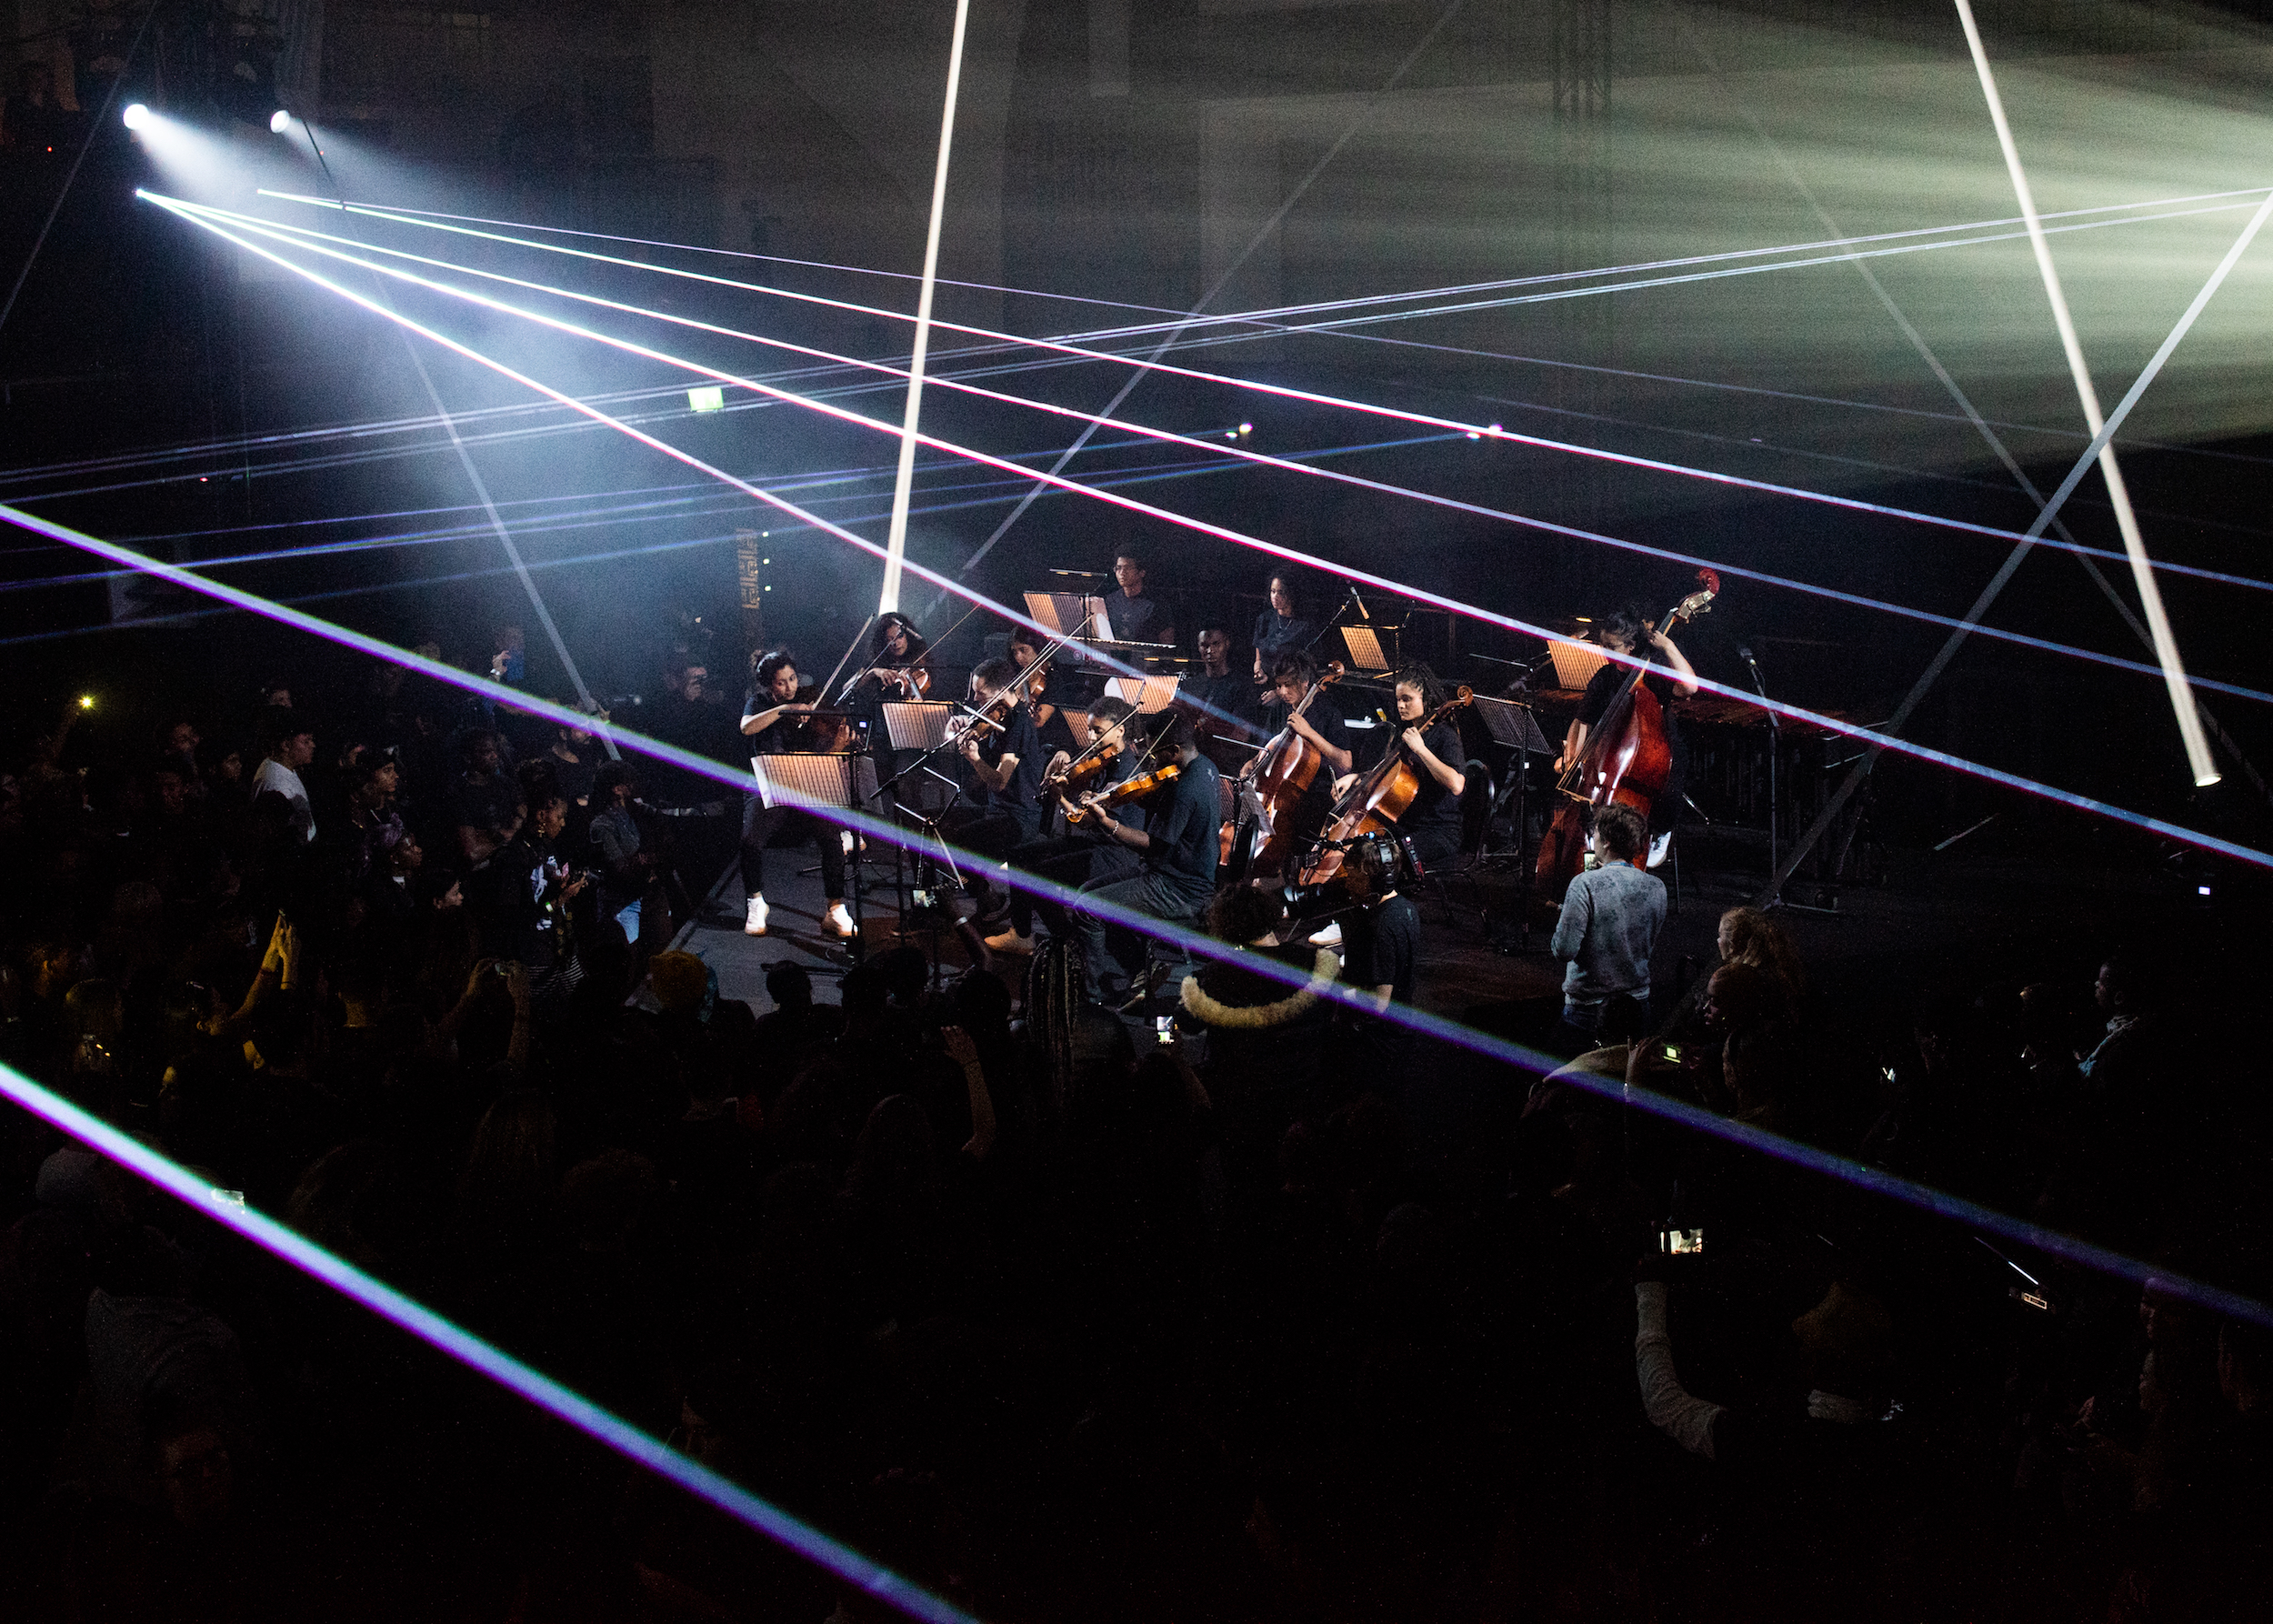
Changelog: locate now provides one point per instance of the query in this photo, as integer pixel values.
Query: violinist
(898, 669)
(1431, 823)
(1045, 692)
(1077, 856)
(772, 718)
(1176, 843)
(1623, 631)
(1004, 760)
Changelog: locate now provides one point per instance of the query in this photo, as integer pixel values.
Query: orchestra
(1278, 773)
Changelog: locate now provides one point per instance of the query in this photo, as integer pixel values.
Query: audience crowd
(1182, 1330)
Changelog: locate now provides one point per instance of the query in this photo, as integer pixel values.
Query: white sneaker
(1331, 937)
(845, 836)
(1659, 846)
(838, 922)
(1010, 941)
(755, 924)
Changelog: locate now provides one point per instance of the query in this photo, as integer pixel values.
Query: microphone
(1744, 653)
(1358, 601)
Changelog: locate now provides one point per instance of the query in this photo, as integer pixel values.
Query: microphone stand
(1774, 749)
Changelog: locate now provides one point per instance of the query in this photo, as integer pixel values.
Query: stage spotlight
(279, 122)
(136, 116)
(713, 399)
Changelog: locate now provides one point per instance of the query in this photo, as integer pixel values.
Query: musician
(1075, 856)
(1621, 632)
(1133, 617)
(1222, 698)
(1004, 760)
(1283, 628)
(1431, 823)
(1048, 703)
(1177, 846)
(1322, 727)
(771, 720)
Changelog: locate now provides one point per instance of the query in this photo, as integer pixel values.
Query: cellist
(1431, 823)
(1322, 727)
(1621, 632)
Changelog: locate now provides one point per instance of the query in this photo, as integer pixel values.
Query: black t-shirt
(485, 803)
(1607, 682)
(1433, 804)
(774, 740)
(1021, 797)
(1276, 634)
(1135, 619)
(1185, 821)
(1379, 945)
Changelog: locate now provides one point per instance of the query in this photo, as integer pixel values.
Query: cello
(1270, 786)
(1626, 759)
(1378, 800)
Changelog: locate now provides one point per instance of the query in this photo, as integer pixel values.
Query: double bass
(1378, 800)
(1626, 760)
(1270, 786)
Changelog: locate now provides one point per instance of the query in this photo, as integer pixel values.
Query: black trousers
(993, 835)
(1072, 861)
(764, 827)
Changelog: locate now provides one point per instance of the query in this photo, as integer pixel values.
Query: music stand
(1148, 694)
(922, 725)
(811, 781)
(1367, 650)
(1575, 663)
(1513, 726)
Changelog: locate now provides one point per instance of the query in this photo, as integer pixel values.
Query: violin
(992, 716)
(1079, 774)
(1378, 798)
(819, 732)
(1270, 785)
(910, 682)
(1627, 759)
(1129, 789)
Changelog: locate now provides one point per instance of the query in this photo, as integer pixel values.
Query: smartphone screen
(1164, 1028)
(1681, 1242)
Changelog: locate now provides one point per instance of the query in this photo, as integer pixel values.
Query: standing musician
(1283, 628)
(1177, 846)
(1619, 632)
(1005, 760)
(1078, 855)
(1222, 699)
(1133, 617)
(771, 720)
(1431, 823)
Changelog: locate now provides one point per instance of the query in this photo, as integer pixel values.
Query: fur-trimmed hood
(1216, 1012)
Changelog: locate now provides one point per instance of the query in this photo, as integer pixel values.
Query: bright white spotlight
(136, 116)
(710, 399)
(279, 122)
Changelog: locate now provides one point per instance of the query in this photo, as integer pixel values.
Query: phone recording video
(1680, 1242)
(1164, 1028)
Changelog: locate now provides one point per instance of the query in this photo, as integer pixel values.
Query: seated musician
(1431, 823)
(1621, 632)
(1049, 703)
(1177, 848)
(1004, 761)
(1074, 856)
(1133, 617)
(771, 714)
(1322, 728)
